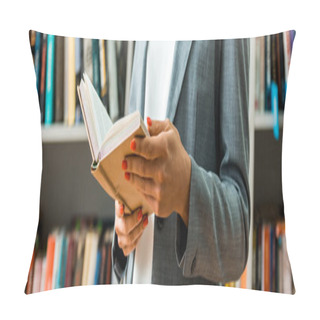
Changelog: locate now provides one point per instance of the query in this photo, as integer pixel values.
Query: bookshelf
(266, 201)
(73, 207)
(66, 153)
(61, 133)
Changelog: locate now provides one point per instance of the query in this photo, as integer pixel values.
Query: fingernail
(121, 209)
(133, 145)
(145, 221)
(149, 121)
(127, 176)
(140, 215)
(124, 165)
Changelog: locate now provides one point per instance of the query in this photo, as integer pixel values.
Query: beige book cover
(109, 145)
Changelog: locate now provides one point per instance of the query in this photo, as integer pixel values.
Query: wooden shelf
(59, 133)
(264, 120)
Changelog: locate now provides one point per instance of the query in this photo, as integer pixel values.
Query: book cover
(49, 103)
(109, 144)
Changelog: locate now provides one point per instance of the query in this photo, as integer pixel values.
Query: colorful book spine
(49, 262)
(37, 59)
(42, 94)
(49, 105)
(71, 81)
(59, 79)
(96, 66)
(103, 73)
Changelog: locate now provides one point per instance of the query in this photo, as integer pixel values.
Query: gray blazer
(208, 103)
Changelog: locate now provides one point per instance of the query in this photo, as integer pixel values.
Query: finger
(139, 165)
(119, 209)
(144, 185)
(128, 249)
(128, 242)
(148, 147)
(155, 126)
(125, 224)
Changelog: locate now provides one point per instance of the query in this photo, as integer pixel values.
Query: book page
(88, 119)
(101, 119)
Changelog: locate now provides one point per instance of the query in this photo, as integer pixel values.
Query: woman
(193, 169)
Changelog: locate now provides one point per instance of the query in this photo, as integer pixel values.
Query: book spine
(98, 265)
(128, 76)
(49, 262)
(103, 73)
(87, 58)
(37, 60)
(267, 73)
(96, 66)
(49, 107)
(113, 81)
(71, 82)
(43, 274)
(70, 252)
(42, 97)
(66, 81)
(78, 68)
(59, 79)
(36, 287)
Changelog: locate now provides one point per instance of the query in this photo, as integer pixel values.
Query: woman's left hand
(160, 169)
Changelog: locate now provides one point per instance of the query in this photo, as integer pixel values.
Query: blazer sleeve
(215, 243)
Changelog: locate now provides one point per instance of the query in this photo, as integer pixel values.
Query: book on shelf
(272, 271)
(71, 257)
(59, 79)
(59, 63)
(109, 144)
(272, 60)
(49, 102)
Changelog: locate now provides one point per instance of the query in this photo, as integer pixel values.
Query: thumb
(156, 126)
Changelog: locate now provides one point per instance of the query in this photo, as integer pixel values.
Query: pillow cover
(76, 222)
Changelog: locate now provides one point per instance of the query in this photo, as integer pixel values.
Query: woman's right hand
(129, 227)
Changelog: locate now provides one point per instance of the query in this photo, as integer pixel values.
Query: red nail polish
(140, 215)
(149, 121)
(133, 145)
(124, 165)
(121, 210)
(127, 176)
(145, 221)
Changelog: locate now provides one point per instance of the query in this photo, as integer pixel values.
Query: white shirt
(158, 77)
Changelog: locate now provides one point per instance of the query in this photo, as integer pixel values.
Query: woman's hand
(129, 227)
(160, 169)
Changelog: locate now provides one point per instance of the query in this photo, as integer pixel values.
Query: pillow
(76, 243)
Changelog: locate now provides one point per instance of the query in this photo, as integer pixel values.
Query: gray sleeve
(215, 244)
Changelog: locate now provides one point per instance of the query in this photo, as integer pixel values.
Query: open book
(109, 144)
